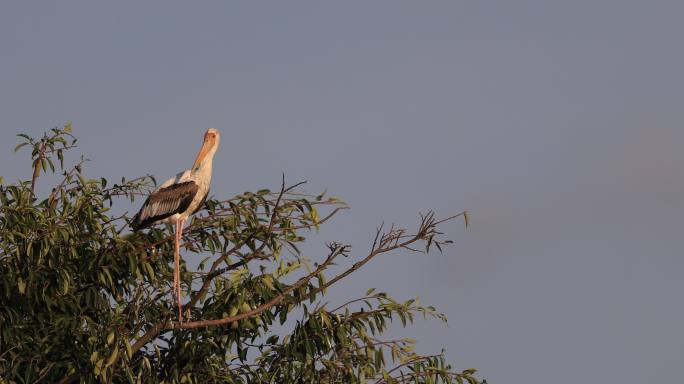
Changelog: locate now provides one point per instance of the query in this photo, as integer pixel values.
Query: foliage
(84, 300)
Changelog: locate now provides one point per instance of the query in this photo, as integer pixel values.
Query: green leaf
(149, 270)
(112, 357)
(19, 146)
(129, 351)
(272, 339)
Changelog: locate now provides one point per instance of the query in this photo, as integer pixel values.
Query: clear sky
(558, 124)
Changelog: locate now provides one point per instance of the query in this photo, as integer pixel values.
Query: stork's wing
(167, 201)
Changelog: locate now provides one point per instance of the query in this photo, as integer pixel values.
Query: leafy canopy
(84, 300)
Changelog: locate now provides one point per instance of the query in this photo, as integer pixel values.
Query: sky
(557, 124)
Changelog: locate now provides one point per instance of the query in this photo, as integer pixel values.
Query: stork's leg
(178, 287)
(176, 273)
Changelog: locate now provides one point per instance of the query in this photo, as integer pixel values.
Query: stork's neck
(203, 170)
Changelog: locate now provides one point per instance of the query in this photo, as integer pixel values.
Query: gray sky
(557, 124)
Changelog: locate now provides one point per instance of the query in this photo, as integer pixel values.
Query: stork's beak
(206, 146)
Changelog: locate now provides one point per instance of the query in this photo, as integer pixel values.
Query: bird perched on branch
(177, 199)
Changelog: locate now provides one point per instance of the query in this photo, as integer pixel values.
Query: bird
(177, 199)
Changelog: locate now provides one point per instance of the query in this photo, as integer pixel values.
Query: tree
(84, 300)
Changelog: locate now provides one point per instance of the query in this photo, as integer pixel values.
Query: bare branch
(386, 242)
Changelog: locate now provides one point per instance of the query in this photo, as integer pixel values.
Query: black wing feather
(165, 202)
(201, 204)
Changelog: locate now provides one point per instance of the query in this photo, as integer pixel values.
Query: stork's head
(212, 137)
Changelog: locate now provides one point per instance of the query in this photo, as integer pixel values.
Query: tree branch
(386, 242)
(263, 307)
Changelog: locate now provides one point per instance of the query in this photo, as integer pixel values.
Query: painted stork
(177, 199)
